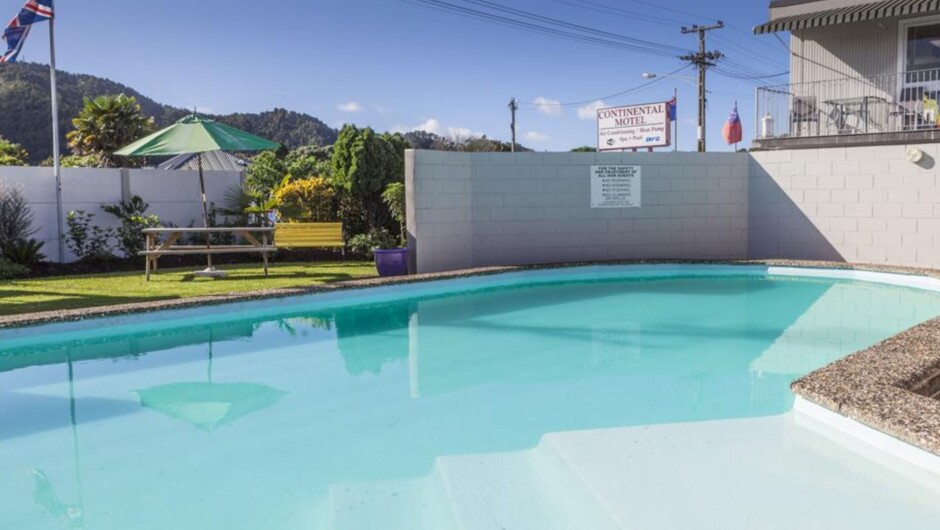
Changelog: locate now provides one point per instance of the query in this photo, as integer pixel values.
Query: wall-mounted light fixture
(914, 155)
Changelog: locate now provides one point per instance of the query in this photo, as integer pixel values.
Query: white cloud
(433, 125)
(461, 132)
(550, 107)
(589, 111)
(380, 109)
(351, 106)
(430, 125)
(536, 137)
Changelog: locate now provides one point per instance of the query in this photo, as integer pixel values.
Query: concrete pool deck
(891, 387)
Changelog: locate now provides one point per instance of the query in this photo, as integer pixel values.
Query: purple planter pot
(391, 261)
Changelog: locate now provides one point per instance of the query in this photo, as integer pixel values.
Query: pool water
(524, 401)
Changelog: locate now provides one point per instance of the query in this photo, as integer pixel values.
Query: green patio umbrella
(195, 135)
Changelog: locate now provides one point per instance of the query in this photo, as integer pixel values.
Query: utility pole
(702, 60)
(513, 107)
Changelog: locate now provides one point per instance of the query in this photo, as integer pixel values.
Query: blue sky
(399, 65)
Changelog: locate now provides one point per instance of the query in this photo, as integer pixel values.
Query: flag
(672, 104)
(18, 29)
(732, 129)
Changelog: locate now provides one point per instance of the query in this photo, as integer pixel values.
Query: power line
(673, 10)
(617, 12)
(745, 77)
(637, 88)
(733, 27)
(746, 71)
(615, 41)
(751, 54)
(577, 27)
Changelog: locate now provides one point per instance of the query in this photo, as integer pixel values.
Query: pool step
(412, 504)
(525, 490)
(735, 474)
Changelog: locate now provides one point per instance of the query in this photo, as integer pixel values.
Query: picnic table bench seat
(285, 235)
(309, 235)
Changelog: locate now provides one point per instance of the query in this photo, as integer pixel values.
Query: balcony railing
(890, 103)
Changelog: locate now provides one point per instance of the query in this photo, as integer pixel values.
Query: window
(923, 47)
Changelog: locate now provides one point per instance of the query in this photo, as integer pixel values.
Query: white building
(861, 73)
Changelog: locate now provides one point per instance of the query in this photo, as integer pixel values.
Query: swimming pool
(595, 397)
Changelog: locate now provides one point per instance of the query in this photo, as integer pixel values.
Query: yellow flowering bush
(307, 200)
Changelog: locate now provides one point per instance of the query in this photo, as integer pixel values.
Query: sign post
(634, 127)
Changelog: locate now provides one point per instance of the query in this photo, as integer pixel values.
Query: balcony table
(854, 106)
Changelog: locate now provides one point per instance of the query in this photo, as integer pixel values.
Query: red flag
(732, 130)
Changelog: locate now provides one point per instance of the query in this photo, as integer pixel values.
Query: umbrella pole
(205, 211)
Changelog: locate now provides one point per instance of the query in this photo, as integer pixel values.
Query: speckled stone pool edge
(874, 386)
(71, 315)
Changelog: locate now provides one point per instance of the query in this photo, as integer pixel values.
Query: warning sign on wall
(615, 186)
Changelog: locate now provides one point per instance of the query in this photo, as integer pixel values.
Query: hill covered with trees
(25, 115)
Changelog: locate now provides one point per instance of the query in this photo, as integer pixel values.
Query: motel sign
(633, 127)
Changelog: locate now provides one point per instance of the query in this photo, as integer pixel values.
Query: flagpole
(56, 169)
(675, 96)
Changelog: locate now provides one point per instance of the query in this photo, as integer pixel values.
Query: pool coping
(877, 387)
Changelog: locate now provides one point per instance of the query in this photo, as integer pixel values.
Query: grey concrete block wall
(481, 209)
(860, 204)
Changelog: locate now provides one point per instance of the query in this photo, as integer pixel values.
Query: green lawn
(73, 292)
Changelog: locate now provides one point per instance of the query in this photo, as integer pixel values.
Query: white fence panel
(172, 195)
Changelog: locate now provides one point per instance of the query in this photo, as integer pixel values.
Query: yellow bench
(309, 235)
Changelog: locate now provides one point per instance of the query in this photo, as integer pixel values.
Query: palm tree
(106, 124)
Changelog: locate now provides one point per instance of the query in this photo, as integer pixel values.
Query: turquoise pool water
(381, 410)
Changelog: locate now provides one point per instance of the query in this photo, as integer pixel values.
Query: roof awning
(847, 15)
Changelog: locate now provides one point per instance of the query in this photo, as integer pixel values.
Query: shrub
(26, 252)
(394, 197)
(73, 161)
(12, 154)
(364, 164)
(310, 161)
(16, 219)
(363, 244)
(246, 207)
(86, 240)
(10, 270)
(306, 200)
(134, 219)
(265, 171)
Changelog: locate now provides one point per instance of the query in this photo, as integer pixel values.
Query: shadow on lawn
(59, 301)
(70, 300)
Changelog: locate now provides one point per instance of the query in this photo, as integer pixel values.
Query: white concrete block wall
(481, 209)
(38, 185)
(439, 210)
(174, 196)
(863, 204)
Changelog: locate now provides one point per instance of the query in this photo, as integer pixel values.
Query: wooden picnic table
(258, 238)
